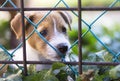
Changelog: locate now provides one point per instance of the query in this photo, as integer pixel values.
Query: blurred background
(107, 28)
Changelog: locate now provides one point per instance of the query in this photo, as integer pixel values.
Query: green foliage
(74, 3)
(3, 56)
(56, 73)
(99, 77)
(97, 2)
(62, 75)
(32, 69)
(115, 72)
(73, 36)
(9, 76)
(109, 36)
(49, 3)
(88, 41)
(40, 76)
(3, 26)
(111, 32)
(111, 74)
(103, 73)
(4, 33)
(96, 57)
(57, 65)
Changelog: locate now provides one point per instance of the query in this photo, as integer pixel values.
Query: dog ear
(67, 17)
(16, 24)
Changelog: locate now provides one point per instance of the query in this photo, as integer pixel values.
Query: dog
(53, 28)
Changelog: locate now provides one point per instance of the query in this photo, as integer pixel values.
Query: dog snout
(62, 47)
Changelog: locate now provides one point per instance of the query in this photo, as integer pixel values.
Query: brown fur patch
(35, 41)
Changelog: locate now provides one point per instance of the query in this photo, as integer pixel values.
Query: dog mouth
(56, 58)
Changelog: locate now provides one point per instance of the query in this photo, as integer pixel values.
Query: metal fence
(79, 9)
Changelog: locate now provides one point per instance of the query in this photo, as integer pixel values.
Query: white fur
(56, 39)
(50, 54)
(34, 55)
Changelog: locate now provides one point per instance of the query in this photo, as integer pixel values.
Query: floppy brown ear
(67, 17)
(16, 24)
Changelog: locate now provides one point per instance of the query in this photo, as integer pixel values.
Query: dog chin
(55, 58)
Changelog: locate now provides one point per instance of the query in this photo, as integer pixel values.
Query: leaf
(32, 69)
(107, 79)
(35, 77)
(56, 73)
(103, 54)
(87, 76)
(40, 76)
(101, 77)
(62, 75)
(78, 78)
(3, 56)
(13, 77)
(57, 65)
(69, 78)
(115, 72)
(50, 78)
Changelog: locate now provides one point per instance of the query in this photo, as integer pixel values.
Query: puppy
(53, 28)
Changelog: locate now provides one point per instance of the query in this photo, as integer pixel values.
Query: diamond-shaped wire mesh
(89, 29)
(8, 2)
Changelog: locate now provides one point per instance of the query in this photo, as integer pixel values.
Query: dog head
(53, 28)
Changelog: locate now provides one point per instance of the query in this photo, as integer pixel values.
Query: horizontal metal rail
(100, 9)
(79, 9)
(68, 9)
(51, 62)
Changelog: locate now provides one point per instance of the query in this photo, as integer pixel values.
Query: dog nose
(62, 47)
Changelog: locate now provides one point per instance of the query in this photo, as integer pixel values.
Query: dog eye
(44, 33)
(63, 29)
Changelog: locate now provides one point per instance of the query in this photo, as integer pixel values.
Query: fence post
(80, 36)
(23, 38)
